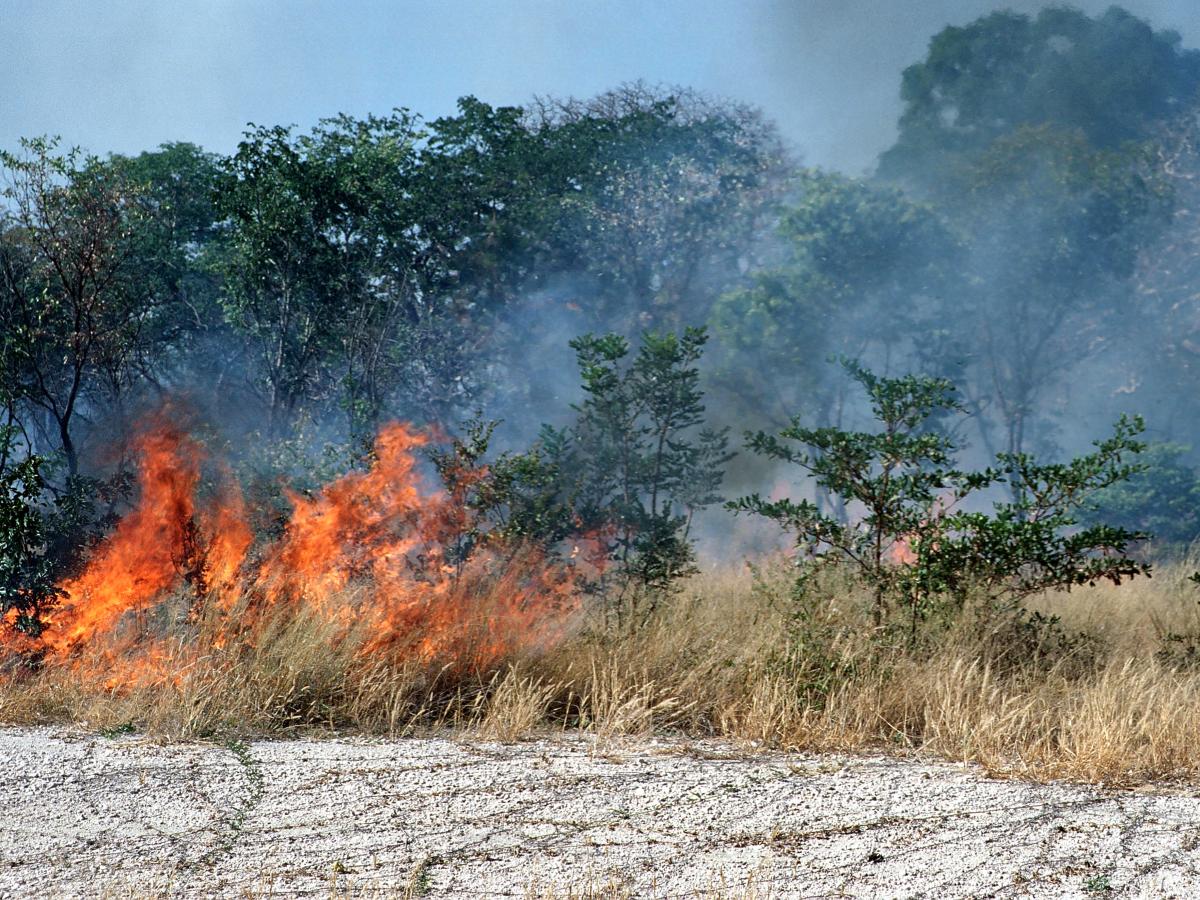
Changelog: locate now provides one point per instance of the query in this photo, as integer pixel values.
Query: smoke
(828, 72)
(130, 75)
(832, 67)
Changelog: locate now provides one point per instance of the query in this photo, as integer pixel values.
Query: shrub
(906, 533)
(1163, 498)
(27, 571)
(629, 473)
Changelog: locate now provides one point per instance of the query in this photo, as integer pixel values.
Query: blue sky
(127, 75)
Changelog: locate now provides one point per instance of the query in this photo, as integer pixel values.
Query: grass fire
(369, 556)
(837, 396)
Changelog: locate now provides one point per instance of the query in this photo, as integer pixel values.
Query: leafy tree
(629, 473)
(646, 463)
(75, 315)
(910, 538)
(367, 260)
(867, 271)
(1161, 499)
(27, 575)
(662, 194)
(183, 340)
(515, 500)
(1055, 229)
(1034, 543)
(486, 187)
(1112, 78)
(178, 183)
(311, 263)
(1035, 137)
(893, 481)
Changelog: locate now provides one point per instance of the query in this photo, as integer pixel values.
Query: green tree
(367, 260)
(1055, 229)
(628, 475)
(512, 501)
(1161, 499)
(663, 194)
(1112, 78)
(178, 183)
(646, 463)
(183, 338)
(76, 316)
(909, 537)
(27, 575)
(867, 272)
(312, 266)
(1035, 136)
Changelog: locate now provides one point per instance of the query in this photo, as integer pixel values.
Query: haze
(125, 76)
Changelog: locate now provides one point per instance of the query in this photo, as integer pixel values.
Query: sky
(127, 75)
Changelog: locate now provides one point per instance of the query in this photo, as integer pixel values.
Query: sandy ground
(87, 815)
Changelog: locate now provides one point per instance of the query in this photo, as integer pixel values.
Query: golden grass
(1108, 696)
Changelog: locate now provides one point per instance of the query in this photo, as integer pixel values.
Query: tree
(1161, 499)
(184, 342)
(1112, 78)
(367, 260)
(867, 272)
(1055, 229)
(75, 314)
(893, 480)
(645, 462)
(178, 183)
(312, 269)
(627, 475)
(663, 196)
(27, 575)
(1163, 325)
(516, 500)
(910, 539)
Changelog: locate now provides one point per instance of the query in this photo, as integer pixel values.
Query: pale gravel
(85, 815)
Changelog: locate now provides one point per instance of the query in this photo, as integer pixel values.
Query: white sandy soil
(86, 815)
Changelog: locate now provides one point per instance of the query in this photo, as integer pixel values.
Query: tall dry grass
(1111, 693)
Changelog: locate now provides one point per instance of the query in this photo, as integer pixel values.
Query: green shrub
(27, 570)
(907, 535)
(1163, 498)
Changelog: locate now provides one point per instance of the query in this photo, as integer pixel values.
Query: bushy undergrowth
(1090, 685)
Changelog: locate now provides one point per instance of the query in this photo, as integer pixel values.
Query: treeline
(367, 268)
(1031, 236)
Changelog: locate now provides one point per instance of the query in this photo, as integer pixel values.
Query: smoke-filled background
(431, 203)
(128, 76)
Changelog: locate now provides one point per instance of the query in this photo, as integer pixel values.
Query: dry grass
(1107, 696)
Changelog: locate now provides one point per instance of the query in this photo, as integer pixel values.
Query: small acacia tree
(909, 537)
(515, 500)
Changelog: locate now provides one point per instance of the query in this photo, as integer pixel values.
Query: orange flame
(143, 556)
(902, 552)
(368, 551)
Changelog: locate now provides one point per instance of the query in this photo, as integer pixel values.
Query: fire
(903, 553)
(367, 553)
(143, 556)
